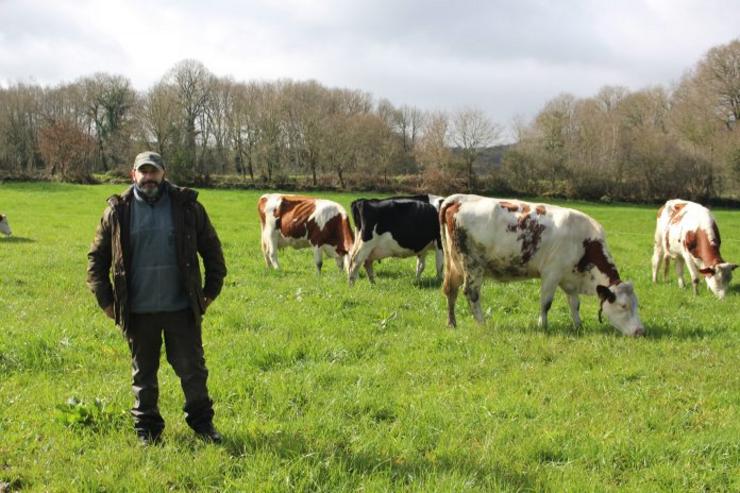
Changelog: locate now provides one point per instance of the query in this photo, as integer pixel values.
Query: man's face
(148, 178)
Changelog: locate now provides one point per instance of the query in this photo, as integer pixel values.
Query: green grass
(319, 387)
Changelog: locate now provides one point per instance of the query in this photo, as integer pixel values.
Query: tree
(192, 83)
(158, 118)
(472, 132)
(67, 151)
(109, 102)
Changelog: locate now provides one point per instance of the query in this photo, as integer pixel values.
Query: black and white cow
(395, 227)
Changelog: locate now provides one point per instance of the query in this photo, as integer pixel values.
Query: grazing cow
(5, 225)
(512, 240)
(304, 222)
(687, 233)
(395, 227)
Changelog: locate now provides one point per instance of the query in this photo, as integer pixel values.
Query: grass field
(319, 387)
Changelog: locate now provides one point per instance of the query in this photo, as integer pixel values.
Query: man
(150, 236)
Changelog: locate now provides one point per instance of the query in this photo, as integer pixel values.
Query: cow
(395, 227)
(5, 225)
(304, 222)
(687, 233)
(514, 240)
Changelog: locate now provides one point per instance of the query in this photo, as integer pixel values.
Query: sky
(506, 58)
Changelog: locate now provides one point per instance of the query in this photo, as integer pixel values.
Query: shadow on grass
(402, 469)
(429, 283)
(665, 331)
(733, 289)
(16, 239)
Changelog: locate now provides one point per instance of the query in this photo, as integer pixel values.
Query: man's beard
(149, 193)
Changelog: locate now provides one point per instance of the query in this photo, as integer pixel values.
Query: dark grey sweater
(156, 280)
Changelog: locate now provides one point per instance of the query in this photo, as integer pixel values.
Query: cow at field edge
(687, 233)
(513, 240)
(304, 222)
(5, 225)
(395, 227)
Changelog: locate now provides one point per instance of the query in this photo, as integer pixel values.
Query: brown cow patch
(529, 231)
(293, 215)
(540, 210)
(701, 247)
(327, 236)
(261, 210)
(508, 206)
(594, 256)
(676, 213)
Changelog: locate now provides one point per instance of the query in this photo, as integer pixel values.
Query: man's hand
(109, 311)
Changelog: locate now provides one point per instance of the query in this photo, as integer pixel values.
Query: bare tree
(109, 101)
(192, 82)
(471, 132)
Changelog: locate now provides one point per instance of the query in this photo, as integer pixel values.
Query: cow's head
(619, 303)
(4, 225)
(718, 277)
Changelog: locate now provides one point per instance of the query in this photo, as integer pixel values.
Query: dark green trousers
(184, 348)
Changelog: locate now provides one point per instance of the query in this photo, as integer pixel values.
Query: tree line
(646, 145)
(642, 145)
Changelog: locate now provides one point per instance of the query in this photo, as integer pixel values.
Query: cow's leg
(439, 262)
(270, 243)
(679, 271)
(547, 292)
(318, 259)
(341, 260)
(657, 259)
(471, 288)
(693, 272)
(370, 272)
(666, 266)
(265, 255)
(574, 303)
(421, 262)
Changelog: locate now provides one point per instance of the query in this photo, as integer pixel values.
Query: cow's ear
(707, 271)
(605, 294)
(733, 266)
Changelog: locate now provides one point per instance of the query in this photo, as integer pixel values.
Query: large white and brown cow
(512, 240)
(5, 225)
(395, 227)
(304, 222)
(687, 233)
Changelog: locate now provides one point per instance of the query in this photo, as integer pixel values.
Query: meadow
(319, 387)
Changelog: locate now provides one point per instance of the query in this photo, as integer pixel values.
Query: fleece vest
(156, 281)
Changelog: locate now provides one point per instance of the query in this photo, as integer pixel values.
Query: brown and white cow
(304, 222)
(5, 225)
(513, 240)
(687, 233)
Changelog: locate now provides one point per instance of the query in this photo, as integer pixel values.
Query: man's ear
(605, 294)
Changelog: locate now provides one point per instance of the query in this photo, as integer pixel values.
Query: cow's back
(514, 239)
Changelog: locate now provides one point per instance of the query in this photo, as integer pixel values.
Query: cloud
(506, 58)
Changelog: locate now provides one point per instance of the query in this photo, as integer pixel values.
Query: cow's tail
(452, 270)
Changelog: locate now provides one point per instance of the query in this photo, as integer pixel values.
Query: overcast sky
(507, 58)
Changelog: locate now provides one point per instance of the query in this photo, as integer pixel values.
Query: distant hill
(489, 159)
